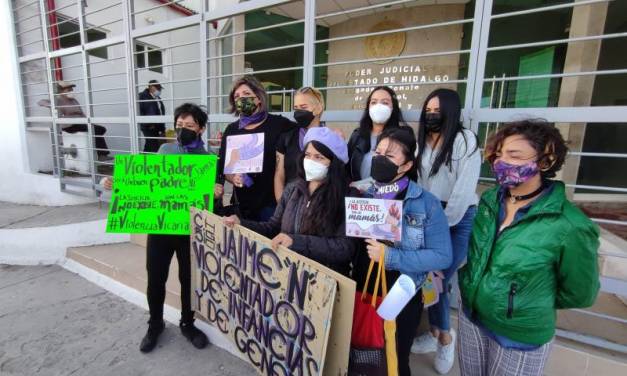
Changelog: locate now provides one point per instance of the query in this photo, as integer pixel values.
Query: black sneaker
(194, 335)
(150, 339)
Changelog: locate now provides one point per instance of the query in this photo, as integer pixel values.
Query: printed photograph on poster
(244, 154)
(374, 218)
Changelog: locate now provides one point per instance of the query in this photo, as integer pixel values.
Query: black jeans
(406, 325)
(159, 252)
(99, 130)
(152, 144)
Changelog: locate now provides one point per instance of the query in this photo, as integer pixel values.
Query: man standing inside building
(150, 104)
(67, 106)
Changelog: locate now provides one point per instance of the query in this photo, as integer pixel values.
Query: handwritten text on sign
(374, 218)
(153, 193)
(275, 306)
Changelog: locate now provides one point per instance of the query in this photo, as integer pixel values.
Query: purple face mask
(509, 175)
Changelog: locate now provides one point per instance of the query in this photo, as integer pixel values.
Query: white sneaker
(424, 344)
(445, 356)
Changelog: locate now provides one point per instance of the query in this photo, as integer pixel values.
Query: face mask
(380, 113)
(245, 105)
(185, 136)
(303, 117)
(157, 93)
(433, 122)
(314, 170)
(509, 175)
(383, 170)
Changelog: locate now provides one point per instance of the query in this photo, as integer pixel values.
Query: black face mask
(185, 136)
(303, 117)
(433, 122)
(382, 169)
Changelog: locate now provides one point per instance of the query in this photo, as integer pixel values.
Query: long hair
(450, 109)
(405, 138)
(396, 119)
(325, 213)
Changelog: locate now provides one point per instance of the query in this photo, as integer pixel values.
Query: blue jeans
(460, 236)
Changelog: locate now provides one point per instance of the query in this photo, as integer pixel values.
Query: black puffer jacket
(335, 252)
(358, 146)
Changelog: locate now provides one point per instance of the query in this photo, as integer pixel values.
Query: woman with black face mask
(253, 193)
(308, 109)
(448, 166)
(425, 243)
(189, 122)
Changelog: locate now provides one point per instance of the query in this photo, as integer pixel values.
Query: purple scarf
(389, 191)
(257, 117)
(193, 145)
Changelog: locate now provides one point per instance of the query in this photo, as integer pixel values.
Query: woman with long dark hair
(449, 166)
(425, 243)
(309, 218)
(382, 111)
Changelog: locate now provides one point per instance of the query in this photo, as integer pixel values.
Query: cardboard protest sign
(277, 307)
(244, 154)
(152, 194)
(374, 218)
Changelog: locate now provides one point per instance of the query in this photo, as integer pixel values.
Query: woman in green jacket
(531, 252)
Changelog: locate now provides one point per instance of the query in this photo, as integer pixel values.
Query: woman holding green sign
(425, 243)
(309, 218)
(190, 121)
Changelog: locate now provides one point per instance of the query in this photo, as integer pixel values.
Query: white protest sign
(374, 218)
(244, 154)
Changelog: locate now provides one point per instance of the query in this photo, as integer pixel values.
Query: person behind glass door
(189, 122)
(425, 243)
(531, 253)
(309, 218)
(253, 194)
(382, 111)
(448, 166)
(67, 106)
(308, 109)
(150, 104)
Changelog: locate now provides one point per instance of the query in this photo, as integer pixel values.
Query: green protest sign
(153, 194)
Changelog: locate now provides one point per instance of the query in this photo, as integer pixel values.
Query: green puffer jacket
(545, 261)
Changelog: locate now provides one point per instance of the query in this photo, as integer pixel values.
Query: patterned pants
(480, 355)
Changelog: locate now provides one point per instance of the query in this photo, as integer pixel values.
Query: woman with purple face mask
(531, 252)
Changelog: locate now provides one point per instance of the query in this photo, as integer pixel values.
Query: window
(69, 36)
(148, 54)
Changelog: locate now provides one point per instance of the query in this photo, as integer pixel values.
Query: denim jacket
(425, 241)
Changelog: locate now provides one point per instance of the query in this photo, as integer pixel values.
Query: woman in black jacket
(309, 218)
(382, 111)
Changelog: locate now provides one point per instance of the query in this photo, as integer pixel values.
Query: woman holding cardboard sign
(309, 218)
(247, 151)
(425, 243)
(190, 121)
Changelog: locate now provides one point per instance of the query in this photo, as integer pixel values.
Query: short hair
(543, 136)
(312, 92)
(196, 112)
(254, 85)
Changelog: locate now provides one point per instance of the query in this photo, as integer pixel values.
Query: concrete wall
(414, 72)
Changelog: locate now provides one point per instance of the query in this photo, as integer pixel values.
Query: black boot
(194, 335)
(150, 339)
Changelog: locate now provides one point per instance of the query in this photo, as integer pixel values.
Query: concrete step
(126, 262)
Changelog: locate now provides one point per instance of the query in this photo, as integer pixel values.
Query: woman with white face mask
(309, 218)
(382, 112)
